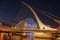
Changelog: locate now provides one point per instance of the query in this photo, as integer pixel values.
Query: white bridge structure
(40, 23)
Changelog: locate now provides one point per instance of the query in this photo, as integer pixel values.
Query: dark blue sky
(10, 8)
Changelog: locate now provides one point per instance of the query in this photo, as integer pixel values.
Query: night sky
(9, 9)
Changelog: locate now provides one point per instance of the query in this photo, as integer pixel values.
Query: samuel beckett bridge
(22, 32)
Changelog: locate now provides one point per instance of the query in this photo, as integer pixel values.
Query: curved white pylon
(40, 23)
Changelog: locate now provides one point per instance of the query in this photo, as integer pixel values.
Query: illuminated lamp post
(1, 34)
